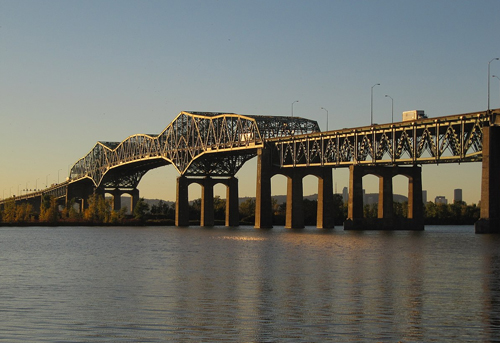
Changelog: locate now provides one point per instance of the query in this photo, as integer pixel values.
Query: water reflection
(491, 280)
(191, 285)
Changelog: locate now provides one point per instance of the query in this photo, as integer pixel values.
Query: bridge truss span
(195, 143)
(447, 139)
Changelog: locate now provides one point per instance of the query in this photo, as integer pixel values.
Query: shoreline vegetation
(100, 213)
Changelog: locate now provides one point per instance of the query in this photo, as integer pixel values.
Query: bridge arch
(207, 184)
(385, 215)
(295, 197)
(117, 194)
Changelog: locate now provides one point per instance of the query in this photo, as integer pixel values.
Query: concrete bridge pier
(263, 203)
(134, 198)
(295, 197)
(117, 200)
(294, 200)
(385, 216)
(182, 202)
(207, 202)
(415, 220)
(355, 220)
(385, 197)
(232, 217)
(232, 202)
(489, 221)
(295, 194)
(325, 199)
(117, 193)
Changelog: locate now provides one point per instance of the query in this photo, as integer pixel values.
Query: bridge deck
(449, 139)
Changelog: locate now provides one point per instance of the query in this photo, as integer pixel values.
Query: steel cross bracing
(455, 138)
(196, 143)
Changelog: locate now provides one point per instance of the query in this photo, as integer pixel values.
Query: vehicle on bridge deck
(414, 115)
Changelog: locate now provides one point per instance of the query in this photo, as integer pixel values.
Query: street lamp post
(292, 105)
(47, 180)
(392, 107)
(496, 58)
(371, 104)
(496, 77)
(326, 117)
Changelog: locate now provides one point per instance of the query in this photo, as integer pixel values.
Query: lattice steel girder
(455, 138)
(182, 142)
(130, 174)
(222, 164)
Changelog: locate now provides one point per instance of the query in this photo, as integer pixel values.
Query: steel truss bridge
(218, 144)
(195, 143)
(208, 144)
(456, 138)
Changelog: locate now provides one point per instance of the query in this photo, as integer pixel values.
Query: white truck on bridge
(413, 115)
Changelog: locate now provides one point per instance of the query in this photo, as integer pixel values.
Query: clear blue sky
(76, 72)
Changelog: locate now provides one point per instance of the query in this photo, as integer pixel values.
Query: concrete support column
(355, 202)
(415, 202)
(325, 200)
(182, 202)
(207, 202)
(134, 199)
(263, 204)
(294, 201)
(385, 195)
(489, 221)
(232, 203)
(117, 200)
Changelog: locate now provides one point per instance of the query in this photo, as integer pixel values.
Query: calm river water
(102, 284)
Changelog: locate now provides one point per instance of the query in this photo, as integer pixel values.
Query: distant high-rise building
(457, 195)
(424, 197)
(345, 194)
(440, 199)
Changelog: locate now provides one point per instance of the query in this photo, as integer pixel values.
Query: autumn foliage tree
(99, 209)
(49, 211)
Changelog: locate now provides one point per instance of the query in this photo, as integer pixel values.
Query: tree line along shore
(100, 212)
